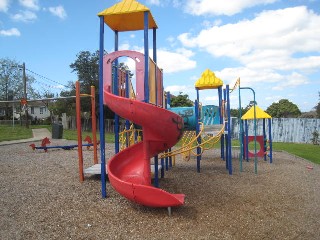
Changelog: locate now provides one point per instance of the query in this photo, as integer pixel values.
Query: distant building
(36, 110)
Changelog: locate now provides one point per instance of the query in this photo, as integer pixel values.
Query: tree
(11, 83)
(317, 108)
(87, 68)
(283, 109)
(182, 100)
(235, 112)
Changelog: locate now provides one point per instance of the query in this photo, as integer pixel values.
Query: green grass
(14, 133)
(17, 132)
(73, 135)
(308, 151)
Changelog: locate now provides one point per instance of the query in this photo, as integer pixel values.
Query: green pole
(255, 129)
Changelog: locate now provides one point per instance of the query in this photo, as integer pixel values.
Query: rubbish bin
(57, 131)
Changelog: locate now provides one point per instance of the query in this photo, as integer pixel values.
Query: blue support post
(156, 174)
(229, 131)
(168, 100)
(196, 106)
(167, 161)
(101, 112)
(162, 167)
(270, 138)
(154, 45)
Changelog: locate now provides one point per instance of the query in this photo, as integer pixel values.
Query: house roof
(127, 15)
(208, 80)
(260, 114)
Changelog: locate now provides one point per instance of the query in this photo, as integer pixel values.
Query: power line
(43, 77)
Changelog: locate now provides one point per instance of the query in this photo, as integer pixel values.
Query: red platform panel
(260, 141)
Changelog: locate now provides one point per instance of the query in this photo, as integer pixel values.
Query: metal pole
(78, 113)
(270, 138)
(25, 92)
(255, 129)
(264, 140)
(101, 112)
(196, 106)
(229, 158)
(94, 124)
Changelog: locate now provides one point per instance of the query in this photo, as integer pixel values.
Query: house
(37, 110)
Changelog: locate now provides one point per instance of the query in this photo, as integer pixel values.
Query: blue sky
(272, 45)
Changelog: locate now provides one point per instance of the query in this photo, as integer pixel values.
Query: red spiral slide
(129, 170)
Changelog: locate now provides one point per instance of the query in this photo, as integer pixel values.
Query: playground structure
(129, 170)
(265, 150)
(204, 124)
(253, 113)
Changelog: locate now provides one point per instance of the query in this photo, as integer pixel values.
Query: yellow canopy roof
(208, 80)
(127, 15)
(259, 114)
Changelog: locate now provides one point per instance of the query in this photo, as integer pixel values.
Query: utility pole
(25, 93)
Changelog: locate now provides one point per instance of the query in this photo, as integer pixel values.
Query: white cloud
(175, 61)
(59, 87)
(292, 29)
(58, 11)
(176, 89)
(211, 98)
(24, 16)
(293, 80)
(124, 46)
(30, 4)
(10, 32)
(4, 5)
(218, 7)
(277, 40)
(153, 2)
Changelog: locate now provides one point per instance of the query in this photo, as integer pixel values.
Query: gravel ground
(42, 198)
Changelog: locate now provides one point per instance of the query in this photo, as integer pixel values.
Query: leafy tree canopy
(235, 112)
(12, 84)
(283, 109)
(86, 66)
(11, 81)
(182, 100)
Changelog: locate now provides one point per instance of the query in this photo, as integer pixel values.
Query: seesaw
(46, 141)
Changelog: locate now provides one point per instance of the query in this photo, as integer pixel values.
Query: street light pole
(25, 92)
